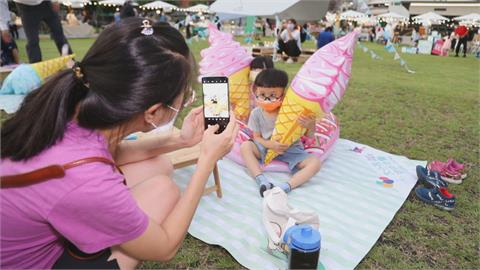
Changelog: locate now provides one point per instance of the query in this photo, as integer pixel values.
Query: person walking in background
(446, 45)
(127, 10)
(325, 37)
(116, 16)
(9, 51)
(33, 12)
(4, 19)
(462, 33)
(12, 25)
(188, 22)
(218, 23)
(162, 17)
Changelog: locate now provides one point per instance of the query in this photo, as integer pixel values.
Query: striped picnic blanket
(356, 194)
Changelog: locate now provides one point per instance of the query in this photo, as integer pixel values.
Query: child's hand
(307, 122)
(280, 148)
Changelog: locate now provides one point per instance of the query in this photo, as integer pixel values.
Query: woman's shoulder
(77, 143)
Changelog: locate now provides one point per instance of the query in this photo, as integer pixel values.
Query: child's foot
(264, 187)
(263, 182)
(285, 187)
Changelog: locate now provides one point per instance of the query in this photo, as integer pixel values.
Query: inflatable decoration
(327, 132)
(28, 77)
(226, 57)
(315, 90)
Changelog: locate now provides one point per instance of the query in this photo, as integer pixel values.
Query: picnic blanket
(356, 194)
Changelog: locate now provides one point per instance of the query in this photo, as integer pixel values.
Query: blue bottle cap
(303, 238)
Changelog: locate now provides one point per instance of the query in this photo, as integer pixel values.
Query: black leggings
(290, 48)
(32, 16)
(463, 41)
(73, 258)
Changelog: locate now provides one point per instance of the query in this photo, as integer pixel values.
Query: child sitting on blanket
(269, 89)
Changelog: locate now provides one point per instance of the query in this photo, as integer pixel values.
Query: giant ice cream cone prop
(318, 86)
(28, 77)
(52, 66)
(226, 57)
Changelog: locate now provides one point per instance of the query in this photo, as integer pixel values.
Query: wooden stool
(189, 156)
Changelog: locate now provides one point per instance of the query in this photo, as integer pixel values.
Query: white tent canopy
(159, 5)
(352, 15)
(392, 17)
(75, 3)
(430, 18)
(115, 2)
(301, 10)
(470, 18)
(198, 8)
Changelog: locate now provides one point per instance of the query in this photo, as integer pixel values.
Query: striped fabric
(356, 194)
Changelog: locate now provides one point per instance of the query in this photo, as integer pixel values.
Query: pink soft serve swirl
(224, 56)
(324, 77)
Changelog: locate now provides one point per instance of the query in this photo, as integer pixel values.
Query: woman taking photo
(64, 203)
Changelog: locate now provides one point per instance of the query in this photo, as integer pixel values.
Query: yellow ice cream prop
(315, 90)
(287, 129)
(52, 66)
(240, 93)
(27, 77)
(226, 57)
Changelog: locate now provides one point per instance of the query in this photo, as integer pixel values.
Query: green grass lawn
(432, 114)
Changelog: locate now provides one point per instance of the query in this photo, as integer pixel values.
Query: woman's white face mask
(290, 26)
(168, 126)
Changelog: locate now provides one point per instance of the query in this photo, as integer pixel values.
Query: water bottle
(304, 244)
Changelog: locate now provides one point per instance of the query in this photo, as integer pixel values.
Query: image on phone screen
(215, 101)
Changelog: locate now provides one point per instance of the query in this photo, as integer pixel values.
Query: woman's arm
(160, 242)
(148, 147)
(152, 146)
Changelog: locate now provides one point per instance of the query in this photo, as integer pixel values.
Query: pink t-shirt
(90, 206)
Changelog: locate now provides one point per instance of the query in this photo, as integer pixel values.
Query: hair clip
(147, 28)
(77, 70)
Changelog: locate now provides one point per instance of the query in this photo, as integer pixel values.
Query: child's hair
(124, 73)
(271, 78)
(261, 62)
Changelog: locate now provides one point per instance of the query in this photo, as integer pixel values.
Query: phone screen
(216, 105)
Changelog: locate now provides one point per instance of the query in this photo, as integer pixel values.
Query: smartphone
(216, 104)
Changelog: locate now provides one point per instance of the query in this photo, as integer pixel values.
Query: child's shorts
(294, 155)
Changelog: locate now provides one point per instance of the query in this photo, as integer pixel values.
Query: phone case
(221, 121)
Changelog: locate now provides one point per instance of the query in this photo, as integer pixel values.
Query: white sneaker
(289, 61)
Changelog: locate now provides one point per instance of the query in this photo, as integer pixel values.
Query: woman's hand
(215, 146)
(193, 127)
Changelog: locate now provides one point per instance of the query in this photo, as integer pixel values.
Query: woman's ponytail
(43, 116)
(125, 72)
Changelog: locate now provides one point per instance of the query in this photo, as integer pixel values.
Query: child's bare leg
(308, 168)
(250, 155)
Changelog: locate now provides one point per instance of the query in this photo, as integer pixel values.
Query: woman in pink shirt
(136, 76)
